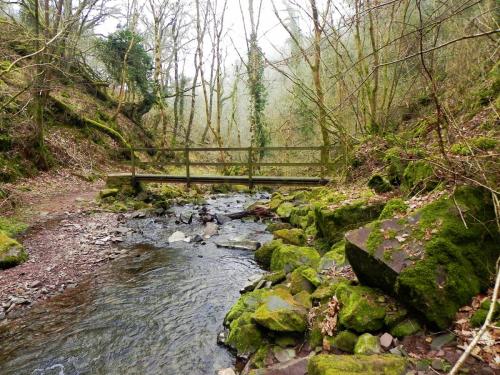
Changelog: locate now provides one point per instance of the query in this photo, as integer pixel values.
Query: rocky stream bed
(355, 284)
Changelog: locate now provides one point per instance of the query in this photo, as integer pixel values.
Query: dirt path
(69, 238)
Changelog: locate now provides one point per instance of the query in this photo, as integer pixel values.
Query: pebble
(36, 284)
(386, 340)
(226, 371)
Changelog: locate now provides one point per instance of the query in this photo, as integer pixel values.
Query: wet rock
(222, 219)
(197, 239)
(186, 217)
(177, 237)
(293, 236)
(11, 252)
(367, 344)
(210, 230)
(239, 244)
(422, 258)
(289, 257)
(248, 302)
(279, 312)
(356, 364)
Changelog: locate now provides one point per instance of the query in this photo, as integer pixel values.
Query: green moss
(335, 257)
(285, 210)
(302, 216)
(288, 257)
(367, 344)
(356, 364)
(11, 226)
(332, 224)
(285, 341)
(375, 238)
(244, 336)
(107, 193)
(279, 312)
(485, 143)
(460, 149)
(11, 252)
(299, 283)
(392, 208)
(273, 227)
(291, 236)
(395, 165)
(247, 303)
(264, 254)
(419, 177)
(407, 327)
(479, 317)
(435, 285)
(345, 341)
(260, 358)
(315, 337)
(303, 298)
(379, 184)
(363, 309)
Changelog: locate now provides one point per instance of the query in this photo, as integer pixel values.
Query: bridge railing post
(132, 157)
(188, 169)
(250, 167)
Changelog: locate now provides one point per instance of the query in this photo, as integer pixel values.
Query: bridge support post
(132, 158)
(188, 169)
(250, 168)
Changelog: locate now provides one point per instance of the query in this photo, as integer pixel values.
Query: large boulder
(356, 364)
(11, 252)
(302, 216)
(335, 257)
(280, 312)
(430, 260)
(247, 303)
(289, 257)
(332, 223)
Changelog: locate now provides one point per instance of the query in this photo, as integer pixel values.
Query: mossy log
(84, 121)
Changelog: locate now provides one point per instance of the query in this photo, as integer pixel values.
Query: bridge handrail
(250, 163)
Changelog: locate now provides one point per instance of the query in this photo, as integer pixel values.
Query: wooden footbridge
(252, 165)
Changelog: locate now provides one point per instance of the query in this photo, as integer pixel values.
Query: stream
(156, 311)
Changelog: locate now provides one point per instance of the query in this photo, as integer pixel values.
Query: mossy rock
(302, 216)
(326, 364)
(333, 223)
(407, 327)
(293, 236)
(395, 165)
(362, 309)
(127, 185)
(326, 291)
(264, 254)
(299, 283)
(335, 257)
(419, 177)
(367, 344)
(479, 317)
(273, 227)
(244, 336)
(262, 357)
(247, 303)
(394, 207)
(303, 298)
(108, 193)
(429, 252)
(288, 257)
(345, 341)
(11, 252)
(279, 312)
(379, 184)
(284, 211)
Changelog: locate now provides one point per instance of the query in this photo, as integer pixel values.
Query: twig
(468, 350)
(460, 212)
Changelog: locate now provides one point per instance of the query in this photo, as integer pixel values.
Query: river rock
(264, 254)
(331, 224)
(239, 244)
(289, 257)
(422, 258)
(294, 367)
(345, 341)
(279, 312)
(244, 336)
(210, 230)
(335, 257)
(11, 252)
(293, 236)
(226, 371)
(357, 364)
(386, 340)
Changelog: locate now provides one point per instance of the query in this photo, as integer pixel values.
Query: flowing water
(156, 311)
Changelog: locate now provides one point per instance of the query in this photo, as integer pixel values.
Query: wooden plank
(237, 180)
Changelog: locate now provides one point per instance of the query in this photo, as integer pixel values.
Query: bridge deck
(235, 180)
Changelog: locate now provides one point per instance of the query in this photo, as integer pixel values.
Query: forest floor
(68, 238)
